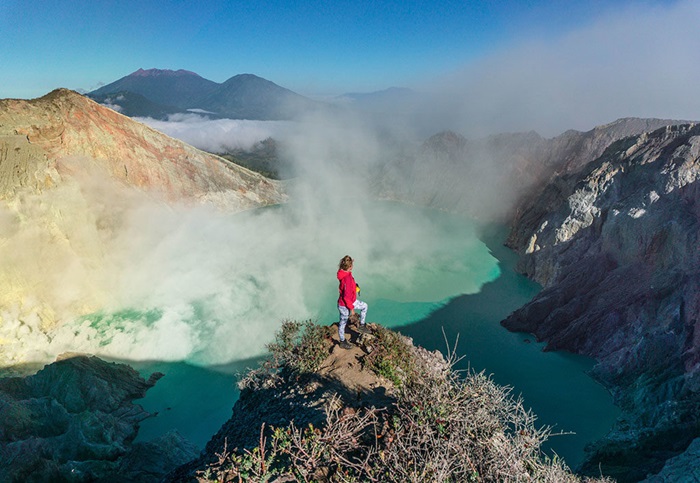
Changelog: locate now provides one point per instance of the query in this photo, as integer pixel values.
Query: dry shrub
(392, 357)
(298, 347)
(463, 429)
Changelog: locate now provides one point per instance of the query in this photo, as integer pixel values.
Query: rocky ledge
(75, 420)
(384, 410)
(615, 244)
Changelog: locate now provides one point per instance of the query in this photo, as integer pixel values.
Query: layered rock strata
(615, 245)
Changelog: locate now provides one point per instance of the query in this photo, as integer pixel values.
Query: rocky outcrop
(299, 398)
(342, 380)
(615, 244)
(75, 420)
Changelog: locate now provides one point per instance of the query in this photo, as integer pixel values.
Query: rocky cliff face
(614, 242)
(75, 421)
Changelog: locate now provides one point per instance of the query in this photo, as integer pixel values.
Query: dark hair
(345, 262)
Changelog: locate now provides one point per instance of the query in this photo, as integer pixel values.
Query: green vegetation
(262, 158)
(392, 357)
(441, 426)
(300, 346)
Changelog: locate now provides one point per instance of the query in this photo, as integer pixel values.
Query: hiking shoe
(345, 344)
(363, 329)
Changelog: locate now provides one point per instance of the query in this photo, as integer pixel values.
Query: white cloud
(114, 107)
(637, 61)
(200, 111)
(218, 135)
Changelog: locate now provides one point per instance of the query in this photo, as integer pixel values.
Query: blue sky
(313, 47)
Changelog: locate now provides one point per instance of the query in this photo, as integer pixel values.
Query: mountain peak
(446, 140)
(162, 73)
(247, 76)
(61, 92)
(178, 88)
(162, 91)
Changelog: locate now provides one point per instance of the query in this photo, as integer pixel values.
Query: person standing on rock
(347, 300)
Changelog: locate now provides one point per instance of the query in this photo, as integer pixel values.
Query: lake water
(422, 272)
(554, 384)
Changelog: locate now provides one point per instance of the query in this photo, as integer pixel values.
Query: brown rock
(63, 125)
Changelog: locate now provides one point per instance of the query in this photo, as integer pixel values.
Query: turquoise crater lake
(422, 272)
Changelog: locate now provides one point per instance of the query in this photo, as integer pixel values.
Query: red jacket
(347, 290)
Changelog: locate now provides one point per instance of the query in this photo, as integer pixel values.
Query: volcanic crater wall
(74, 177)
(615, 245)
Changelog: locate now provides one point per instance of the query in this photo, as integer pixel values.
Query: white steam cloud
(108, 270)
(219, 135)
(112, 103)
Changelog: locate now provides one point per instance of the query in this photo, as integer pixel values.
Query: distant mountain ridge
(247, 96)
(179, 88)
(165, 72)
(243, 96)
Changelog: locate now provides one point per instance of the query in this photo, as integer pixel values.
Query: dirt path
(345, 365)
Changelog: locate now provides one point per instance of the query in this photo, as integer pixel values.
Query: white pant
(345, 314)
